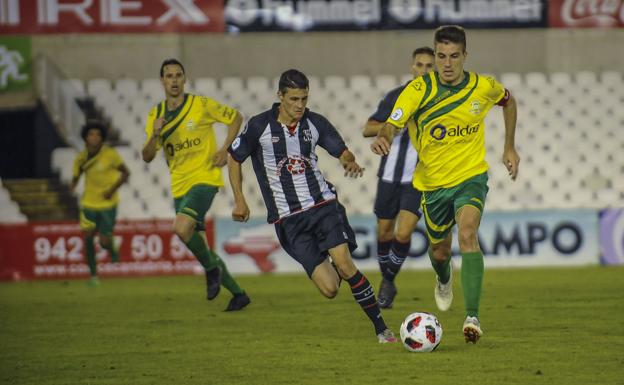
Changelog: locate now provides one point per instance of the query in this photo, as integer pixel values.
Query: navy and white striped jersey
(285, 163)
(398, 165)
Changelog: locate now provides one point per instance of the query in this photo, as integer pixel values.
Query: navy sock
(365, 295)
(383, 251)
(398, 253)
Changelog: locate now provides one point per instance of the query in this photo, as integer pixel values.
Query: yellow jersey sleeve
(217, 112)
(494, 91)
(408, 102)
(149, 126)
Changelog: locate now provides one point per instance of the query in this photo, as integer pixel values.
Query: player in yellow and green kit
(105, 171)
(182, 126)
(449, 107)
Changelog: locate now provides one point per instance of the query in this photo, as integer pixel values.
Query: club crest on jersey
(397, 114)
(475, 107)
(294, 165)
(307, 135)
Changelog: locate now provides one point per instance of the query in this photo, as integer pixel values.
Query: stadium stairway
(42, 199)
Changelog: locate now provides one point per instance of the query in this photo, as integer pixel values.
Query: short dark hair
(293, 79)
(423, 50)
(93, 125)
(170, 62)
(450, 34)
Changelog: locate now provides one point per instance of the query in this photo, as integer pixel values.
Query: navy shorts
(307, 236)
(393, 197)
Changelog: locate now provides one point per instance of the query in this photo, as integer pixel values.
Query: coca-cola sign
(586, 13)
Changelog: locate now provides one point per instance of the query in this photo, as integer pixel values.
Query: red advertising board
(56, 250)
(586, 13)
(85, 16)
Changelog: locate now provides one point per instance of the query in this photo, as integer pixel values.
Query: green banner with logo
(15, 63)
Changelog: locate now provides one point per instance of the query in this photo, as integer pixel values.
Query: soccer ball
(421, 332)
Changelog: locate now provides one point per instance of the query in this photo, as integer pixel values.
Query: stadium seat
(335, 82)
(206, 86)
(560, 79)
(152, 89)
(258, 84)
(127, 89)
(386, 82)
(535, 79)
(99, 87)
(232, 85)
(612, 78)
(511, 80)
(360, 83)
(586, 78)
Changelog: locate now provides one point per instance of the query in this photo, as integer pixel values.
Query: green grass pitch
(542, 326)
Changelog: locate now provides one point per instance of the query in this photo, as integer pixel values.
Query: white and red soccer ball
(421, 332)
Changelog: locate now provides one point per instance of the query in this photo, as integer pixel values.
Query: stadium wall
(138, 56)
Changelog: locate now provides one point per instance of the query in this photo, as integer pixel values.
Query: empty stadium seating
(568, 137)
(9, 209)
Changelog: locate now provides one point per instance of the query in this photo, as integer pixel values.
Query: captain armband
(505, 99)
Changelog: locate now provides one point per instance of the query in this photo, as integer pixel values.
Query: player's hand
(108, 194)
(158, 125)
(219, 159)
(511, 159)
(380, 146)
(240, 212)
(352, 169)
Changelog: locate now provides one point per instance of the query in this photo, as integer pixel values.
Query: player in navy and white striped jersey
(310, 222)
(397, 204)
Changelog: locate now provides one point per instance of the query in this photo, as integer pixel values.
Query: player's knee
(440, 252)
(467, 239)
(182, 232)
(384, 235)
(329, 291)
(404, 235)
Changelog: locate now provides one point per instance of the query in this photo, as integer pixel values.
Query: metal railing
(59, 95)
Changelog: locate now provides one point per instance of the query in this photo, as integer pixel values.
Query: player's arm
(406, 105)
(123, 178)
(372, 128)
(511, 159)
(351, 167)
(377, 120)
(74, 183)
(151, 145)
(77, 172)
(240, 212)
(332, 142)
(243, 146)
(220, 157)
(381, 145)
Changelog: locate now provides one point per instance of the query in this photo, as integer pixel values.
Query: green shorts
(440, 206)
(196, 202)
(101, 220)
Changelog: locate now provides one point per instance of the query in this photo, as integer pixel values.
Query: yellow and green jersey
(188, 140)
(449, 131)
(101, 173)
